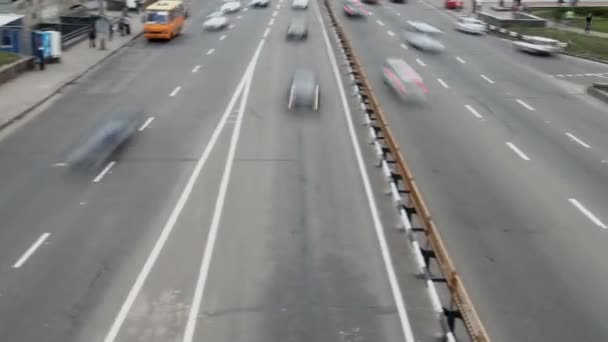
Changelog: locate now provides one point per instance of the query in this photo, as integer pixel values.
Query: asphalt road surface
(227, 218)
(511, 158)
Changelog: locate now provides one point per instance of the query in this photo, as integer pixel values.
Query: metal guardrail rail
(411, 206)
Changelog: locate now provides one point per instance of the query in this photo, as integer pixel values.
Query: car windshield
(157, 17)
(304, 77)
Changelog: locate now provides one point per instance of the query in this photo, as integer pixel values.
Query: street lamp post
(102, 15)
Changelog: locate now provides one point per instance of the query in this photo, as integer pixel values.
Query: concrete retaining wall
(517, 19)
(10, 71)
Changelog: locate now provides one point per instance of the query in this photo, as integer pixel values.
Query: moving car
(299, 4)
(354, 8)
(297, 30)
(399, 1)
(403, 80)
(471, 25)
(304, 90)
(231, 7)
(453, 4)
(215, 21)
(539, 45)
(371, 2)
(259, 3)
(105, 139)
(423, 36)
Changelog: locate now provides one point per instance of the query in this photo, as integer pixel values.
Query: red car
(453, 4)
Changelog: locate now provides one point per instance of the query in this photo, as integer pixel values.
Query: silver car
(423, 36)
(539, 45)
(304, 90)
(297, 30)
(215, 21)
(470, 25)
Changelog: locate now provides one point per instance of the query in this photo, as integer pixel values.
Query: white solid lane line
(574, 138)
(193, 315)
(527, 106)
(442, 83)
(390, 33)
(266, 32)
(460, 60)
(103, 172)
(472, 110)
(146, 124)
(175, 91)
(587, 213)
(31, 250)
(420, 62)
(195, 69)
(210, 51)
(403, 46)
(517, 151)
(223, 37)
(487, 78)
(380, 23)
(172, 220)
(406, 327)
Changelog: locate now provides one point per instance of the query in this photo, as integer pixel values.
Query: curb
(596, 91)
(65, 84)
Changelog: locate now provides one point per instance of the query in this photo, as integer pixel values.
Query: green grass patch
(7, 57)
(599, 22)
(578, 43)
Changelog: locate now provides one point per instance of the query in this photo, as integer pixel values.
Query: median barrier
(12, 70)
(414, 216)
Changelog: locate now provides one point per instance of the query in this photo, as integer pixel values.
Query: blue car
(105, 139)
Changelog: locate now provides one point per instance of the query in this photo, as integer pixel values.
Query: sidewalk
(22, 94)
(563, 27)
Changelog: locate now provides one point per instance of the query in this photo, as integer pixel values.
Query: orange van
(164, 19)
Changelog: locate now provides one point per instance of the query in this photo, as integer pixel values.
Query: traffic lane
(512, 211)
(136, 79)
(312, 266)
(160, 174)
(484, 64)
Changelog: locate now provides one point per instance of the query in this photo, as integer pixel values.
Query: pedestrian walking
(40, 52)
(92, 35)
(588, 22)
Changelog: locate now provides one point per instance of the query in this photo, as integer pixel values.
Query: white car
(299, 4)
(216, 22)
(471, 25)
(423, 36)
(231, 7)
(539, 45)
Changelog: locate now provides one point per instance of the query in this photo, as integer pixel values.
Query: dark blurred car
(259, 3)
(304, 91)
(105, 139)
(297, 30)
(371, 2)
(399, 1)
(353, 8)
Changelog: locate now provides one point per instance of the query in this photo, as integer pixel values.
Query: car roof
(423, 27)
(402, 68)
(303, 74)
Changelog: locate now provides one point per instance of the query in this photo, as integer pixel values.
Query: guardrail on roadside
(404, 191)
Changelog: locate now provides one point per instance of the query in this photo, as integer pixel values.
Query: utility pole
(102, 33)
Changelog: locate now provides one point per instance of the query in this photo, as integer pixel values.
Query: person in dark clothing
(588, 22)
(92, 35)
(40, 52)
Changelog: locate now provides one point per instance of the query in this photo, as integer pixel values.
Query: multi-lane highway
(226, 218)
(511, 156)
